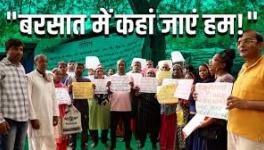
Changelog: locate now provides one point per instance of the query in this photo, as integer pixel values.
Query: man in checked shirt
(14, 102)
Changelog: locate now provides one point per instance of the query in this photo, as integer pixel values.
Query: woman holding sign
(99, 108)
(182, 107)
(148, 114)
(61, 139)
(168, 119)
(211, 129)
(195, 141)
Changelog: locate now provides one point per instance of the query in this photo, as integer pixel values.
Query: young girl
(195, 141)
(61, 139)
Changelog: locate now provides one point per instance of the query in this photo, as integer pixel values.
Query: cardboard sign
(165, 94)
(82, 90)
(163, 75)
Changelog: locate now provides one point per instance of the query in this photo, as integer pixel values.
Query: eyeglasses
(246, 41)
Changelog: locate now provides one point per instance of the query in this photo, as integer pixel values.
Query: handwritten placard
(120, 83)
(82, 90)
(100, 86)
(148, 85)
(62, 96)
(184, 88)
(212, 98)
(165, 94)
(169, 81)
(136, 78)
(163, 75)
(192, 125)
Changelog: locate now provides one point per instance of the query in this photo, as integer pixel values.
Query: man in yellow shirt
(246, 105)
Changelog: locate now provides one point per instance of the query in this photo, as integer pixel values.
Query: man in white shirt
(44, 112)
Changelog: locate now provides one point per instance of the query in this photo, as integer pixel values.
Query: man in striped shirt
(14, 102)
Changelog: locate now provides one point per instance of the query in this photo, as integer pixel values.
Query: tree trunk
(155, 45)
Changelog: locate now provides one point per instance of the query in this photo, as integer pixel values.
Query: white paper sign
(148, 85)
(169, 81)
(120, 83)
(136, 78)
(142, 61)
(169, 62)
(192, 125)
(100, 86)
(184, 88)
(62, 96)
(176, 56)
(212, 99)
(91, 62)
